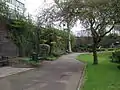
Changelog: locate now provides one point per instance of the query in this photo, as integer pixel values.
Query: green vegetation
(51, 58)
(104, 76)
(36, 63)
(4, 10)
(28, 61)
(28, 38)
(110, 41)
(116, 56)
(28, 35)
(95, 15)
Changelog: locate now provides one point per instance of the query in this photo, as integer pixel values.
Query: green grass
(104, 76)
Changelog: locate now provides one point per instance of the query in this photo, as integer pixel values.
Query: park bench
(3, 60)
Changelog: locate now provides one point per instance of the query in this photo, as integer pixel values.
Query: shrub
(57, 54)
(116, 56)
(90, 50)
(76, 48)
(111, 49)
(102, 49)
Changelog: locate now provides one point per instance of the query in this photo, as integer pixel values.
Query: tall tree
(4, 10)
(100, 18)
(65, 15)
(61, 13)
(97, 16)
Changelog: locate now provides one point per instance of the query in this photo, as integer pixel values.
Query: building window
(9, 1)
(19, 4)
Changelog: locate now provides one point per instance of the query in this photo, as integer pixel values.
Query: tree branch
(94, 33)
(108, 31)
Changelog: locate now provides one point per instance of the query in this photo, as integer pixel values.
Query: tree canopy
(98, 16)
(4, 10)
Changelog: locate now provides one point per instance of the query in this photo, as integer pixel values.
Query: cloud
(33, 5)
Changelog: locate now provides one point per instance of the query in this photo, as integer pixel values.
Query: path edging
(81, 81)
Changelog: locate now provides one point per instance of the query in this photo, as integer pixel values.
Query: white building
(18, 5)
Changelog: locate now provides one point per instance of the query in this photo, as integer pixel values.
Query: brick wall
(7, 47)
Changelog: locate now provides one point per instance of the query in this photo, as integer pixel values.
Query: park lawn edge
(84, 75)
(88, 64)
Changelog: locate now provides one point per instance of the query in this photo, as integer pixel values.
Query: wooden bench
(3, 60)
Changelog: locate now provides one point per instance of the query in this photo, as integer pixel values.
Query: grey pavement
(62, 74)
(6, 71)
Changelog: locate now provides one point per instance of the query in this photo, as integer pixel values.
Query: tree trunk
(95, 58)
(69, 38)
(69, 43)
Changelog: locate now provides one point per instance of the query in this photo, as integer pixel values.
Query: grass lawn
(104, 76)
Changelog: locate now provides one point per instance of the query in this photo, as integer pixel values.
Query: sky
(33, 6)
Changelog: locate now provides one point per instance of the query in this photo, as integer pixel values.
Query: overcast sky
(33, 5)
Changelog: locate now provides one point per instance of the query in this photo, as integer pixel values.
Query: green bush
(116, 56)
(56, 54)
(30, 62)
(111, 49)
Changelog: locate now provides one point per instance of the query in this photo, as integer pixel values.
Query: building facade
(16, 5)
(7, 47)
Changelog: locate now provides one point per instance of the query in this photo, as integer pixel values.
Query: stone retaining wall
(7, 47)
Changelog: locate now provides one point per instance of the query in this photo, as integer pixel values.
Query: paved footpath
(62, 74)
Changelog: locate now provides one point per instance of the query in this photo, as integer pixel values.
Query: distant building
(16, 6)
(83, 33)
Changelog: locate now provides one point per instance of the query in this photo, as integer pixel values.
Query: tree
(21, 32)
(4, 11)
(61, 13)
(44, 19)
(99, 18)
(56, 39)
(64, 14)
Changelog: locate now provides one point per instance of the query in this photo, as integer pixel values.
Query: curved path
(62, 74)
